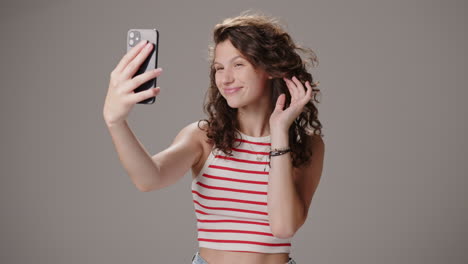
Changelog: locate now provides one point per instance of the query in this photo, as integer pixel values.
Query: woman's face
(237, 80)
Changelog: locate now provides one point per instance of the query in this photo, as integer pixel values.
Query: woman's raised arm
(163, 169)
(147, 173)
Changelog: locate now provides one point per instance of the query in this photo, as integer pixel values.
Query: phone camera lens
(134, 37)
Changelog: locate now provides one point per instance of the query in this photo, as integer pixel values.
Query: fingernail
(143, 42)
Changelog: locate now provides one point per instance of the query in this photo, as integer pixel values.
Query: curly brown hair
(264, 43)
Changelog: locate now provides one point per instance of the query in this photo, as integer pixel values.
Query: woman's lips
(231, 90)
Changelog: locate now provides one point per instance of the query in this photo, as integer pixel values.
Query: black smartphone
(134, 36)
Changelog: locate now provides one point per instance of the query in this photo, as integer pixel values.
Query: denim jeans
(197, 259)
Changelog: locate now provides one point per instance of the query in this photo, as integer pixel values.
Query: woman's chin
(233, 105)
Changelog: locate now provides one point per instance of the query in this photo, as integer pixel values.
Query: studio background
(393, 81)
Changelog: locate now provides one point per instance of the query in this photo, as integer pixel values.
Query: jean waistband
(197, 259)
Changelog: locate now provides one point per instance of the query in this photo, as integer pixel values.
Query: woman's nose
(227, 76)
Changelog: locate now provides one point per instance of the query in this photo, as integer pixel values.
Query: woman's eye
(239, 64)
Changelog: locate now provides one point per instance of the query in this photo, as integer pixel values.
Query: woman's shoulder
(196, 131)
(315, 139)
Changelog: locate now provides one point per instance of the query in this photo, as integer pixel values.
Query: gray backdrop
(393, 79)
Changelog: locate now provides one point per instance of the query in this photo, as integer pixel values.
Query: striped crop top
(230, 199)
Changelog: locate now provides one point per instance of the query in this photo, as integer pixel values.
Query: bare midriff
(215, 256)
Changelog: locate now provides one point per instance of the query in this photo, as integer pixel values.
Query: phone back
(134, 36)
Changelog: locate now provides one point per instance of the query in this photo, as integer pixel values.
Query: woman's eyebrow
(238, 56)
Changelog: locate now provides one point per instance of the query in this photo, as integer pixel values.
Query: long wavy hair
(266, 45)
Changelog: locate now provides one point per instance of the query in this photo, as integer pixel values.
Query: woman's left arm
(290, 190)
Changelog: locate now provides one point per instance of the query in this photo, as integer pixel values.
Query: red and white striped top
(230, 199)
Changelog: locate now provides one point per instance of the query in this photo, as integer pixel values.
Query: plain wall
(393, 78)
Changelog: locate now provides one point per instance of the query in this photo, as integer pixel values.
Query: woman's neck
(254, 118)
(254, 123)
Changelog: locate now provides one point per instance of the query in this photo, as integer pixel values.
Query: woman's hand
(282, 119)
(120, 96)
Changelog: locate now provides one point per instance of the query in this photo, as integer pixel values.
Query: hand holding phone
(134, 36)
(124, 81)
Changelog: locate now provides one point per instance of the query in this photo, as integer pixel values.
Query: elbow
(144, 188)
(283, 233)
(149, 187)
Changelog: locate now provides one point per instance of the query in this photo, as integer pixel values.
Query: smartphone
(134, 36)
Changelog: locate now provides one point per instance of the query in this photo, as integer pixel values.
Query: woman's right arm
(163, 169)
(147, 173)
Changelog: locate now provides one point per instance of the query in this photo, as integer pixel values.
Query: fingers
(300, 91)
(292, 89)
(280, 102)
(132, 67)
(129, 56)
(140, 96)
(297, 90)
(141, 79)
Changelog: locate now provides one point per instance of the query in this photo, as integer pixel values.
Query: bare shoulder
(194, 134)
(317, 146)
(316, 143)
(198, 130)
(194, 131)
(185, 152)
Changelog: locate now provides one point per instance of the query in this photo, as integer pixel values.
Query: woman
(256, 161)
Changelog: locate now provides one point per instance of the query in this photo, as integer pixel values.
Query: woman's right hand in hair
(120, 96)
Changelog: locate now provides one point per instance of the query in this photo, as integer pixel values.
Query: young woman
(256, 160)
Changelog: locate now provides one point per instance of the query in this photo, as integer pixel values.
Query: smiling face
(236, 78)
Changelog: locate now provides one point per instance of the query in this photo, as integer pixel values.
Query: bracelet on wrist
(280, 151)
